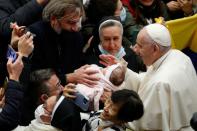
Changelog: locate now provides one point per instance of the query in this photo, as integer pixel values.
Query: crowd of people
(112, 52)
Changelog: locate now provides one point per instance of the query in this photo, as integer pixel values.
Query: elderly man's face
(146, 2)
(144, 48)
(71, 22)
(111, 39)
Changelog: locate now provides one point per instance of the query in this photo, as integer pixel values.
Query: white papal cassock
(169, 92)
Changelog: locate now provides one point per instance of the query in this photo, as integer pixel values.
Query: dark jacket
(24, 12)
(67, 116)
(61, 52)
(9, 117)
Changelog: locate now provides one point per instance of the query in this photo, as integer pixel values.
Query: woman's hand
(108, 60)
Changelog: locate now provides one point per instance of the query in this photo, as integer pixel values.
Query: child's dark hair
(131, 105)
(117, 76)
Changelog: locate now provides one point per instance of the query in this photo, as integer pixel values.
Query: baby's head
(116, 74)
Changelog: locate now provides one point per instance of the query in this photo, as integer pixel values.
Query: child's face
(110, 111)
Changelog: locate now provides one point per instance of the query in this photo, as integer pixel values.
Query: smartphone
(26, 30)
(82, 101)
(11, 53)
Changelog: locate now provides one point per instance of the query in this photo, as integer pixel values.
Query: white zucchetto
(159, 33)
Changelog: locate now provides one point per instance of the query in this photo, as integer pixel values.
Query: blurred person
(145, 12)
(58, 44)
(97, 10)
(168, 88)
(10, 114)
(180, 8)
(110, 42)
(121, 107)
(24, 12)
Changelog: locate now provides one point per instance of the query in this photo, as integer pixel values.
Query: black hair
(131, 105)
(97, 9)
(37, 84)
(117, 76)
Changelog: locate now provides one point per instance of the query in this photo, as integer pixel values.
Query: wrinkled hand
(106, 94)
(25, 44)
(186, 6)
(173, 6)
(108, 60)
(15, 69)
(83, 76)
(69, 91)
(17, 32)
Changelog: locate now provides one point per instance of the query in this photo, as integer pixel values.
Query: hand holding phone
(11, 54)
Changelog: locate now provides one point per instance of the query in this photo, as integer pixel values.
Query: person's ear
(53, 18)
(43, 98)
(156, 48)
(53, 21)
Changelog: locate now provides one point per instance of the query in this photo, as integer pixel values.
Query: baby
(111, 78)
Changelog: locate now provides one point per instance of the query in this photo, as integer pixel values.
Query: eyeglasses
(58, 85)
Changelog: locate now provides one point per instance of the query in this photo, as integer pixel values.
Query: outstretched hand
(108, 60)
